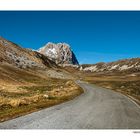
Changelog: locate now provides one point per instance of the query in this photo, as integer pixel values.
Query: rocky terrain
(30, 81)
(60, 53)
(12, 53)
(125, 65)
(122, 76)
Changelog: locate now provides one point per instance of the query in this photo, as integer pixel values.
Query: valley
(23, 92)
(34, 80)
(97, 108)
(127, 84)
(29, 81)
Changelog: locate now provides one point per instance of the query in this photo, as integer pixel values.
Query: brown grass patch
(36, 98)
(128, 85)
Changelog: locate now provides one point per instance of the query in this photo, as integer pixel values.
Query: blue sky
(95, 36)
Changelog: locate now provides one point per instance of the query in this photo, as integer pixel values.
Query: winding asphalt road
(97, 108)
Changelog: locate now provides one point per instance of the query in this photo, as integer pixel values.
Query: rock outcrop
(127, 65)
(12, 53)
(60, 53)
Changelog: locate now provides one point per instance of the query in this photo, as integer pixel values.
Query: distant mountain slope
(52, 55)
(60, 53)
(20, 65)
(24, 58)
(129, 65)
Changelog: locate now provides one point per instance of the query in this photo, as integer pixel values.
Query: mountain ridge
(130, 64)
(59, 54)
(21, 57)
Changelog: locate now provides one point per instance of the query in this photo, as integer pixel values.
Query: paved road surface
(97, 108)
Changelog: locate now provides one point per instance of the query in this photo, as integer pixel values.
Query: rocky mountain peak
(60, 53)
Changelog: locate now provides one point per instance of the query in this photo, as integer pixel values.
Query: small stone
(46, 96)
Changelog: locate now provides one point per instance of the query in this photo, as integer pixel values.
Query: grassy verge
(34, 98)
(129, 86)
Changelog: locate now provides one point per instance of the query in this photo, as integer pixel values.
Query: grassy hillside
(127, 84)
(25, 91)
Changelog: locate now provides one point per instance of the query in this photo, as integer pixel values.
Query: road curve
(97, 108)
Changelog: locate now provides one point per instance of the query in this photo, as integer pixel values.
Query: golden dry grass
(24, 91)
(17, 107)
(36, 97)
(127, 84)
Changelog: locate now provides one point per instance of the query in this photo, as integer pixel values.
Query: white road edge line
(131, 99)
(126, 96)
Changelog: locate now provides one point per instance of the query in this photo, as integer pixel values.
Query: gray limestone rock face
(60, 53)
